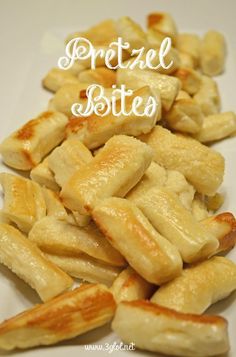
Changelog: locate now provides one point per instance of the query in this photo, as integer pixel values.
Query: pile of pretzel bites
(126, 204)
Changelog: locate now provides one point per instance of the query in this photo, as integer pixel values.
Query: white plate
(31, 41)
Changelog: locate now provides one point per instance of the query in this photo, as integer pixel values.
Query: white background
(31, 40)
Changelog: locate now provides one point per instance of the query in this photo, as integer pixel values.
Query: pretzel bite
(56, 78)
(59, 237)
(167, 86)
(189, 44)
(129, 286)
(163, 23)
(199, 286)
(26, 147)
(190, 79)
(185, 115)
(155, 328)
(217, 127)
(202, 166)
(208, 96)
(94, 130)
(166, 213)
(131, 32)
(129, 231)
(86, 268)
(24, 203)
(113, 171)
(62, 318)
(213, 53)
(24, 259)
(68, 158)
(44, 176)
(223, 227)
(101, 75)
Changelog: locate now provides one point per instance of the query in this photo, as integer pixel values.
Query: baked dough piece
(164, 23)
(129, 231)
(155, 39)
(101, 34)
(131, 32)
(26, 147)
(95, 130)
(199, 286)
(44, 176)
(57, 78)
(199, 208)
(185, 115)
(157, 176)
(158, 329)
(114, 171)
(129, 286)
(103, 76)
(167, 86)
(223, 227)
(190, 79)
(24, 203)
(62, 318)
(217, 127)
(154, 176)
(165, 212)
(54, 206)
(67, 95)
(59, 237)
(189, 44)
(86, 268)
(213, 53)
(68, 158)
(26, 260)
(202, 166)
(208, 96)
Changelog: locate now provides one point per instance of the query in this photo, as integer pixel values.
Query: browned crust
(28, 158)
(58, 315)
(161, 310)
(27, 130)
(182, 73)
(229, 240)
(94, 121)
(154, 19)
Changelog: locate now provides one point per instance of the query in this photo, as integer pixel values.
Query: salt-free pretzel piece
(44, 176)
(26, 147)
(199, 286)
(213, 53)
(59, 237)
(113, 172)
(208, 96)
(163, 23)
(129, 231)
(86, 268)
(129, 285)
(101, 75)
(185, 115)
(24, 259)
(95, 130)
(57, 78)
(217, 127)
(167, 86)
(189, 44)
(65, 317)
(157, 329)
(24, 202)
(202, 166)
(166, 213)
(190, 79)
(68, 158)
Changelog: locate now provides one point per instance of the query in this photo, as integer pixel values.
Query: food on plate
(24, 259)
